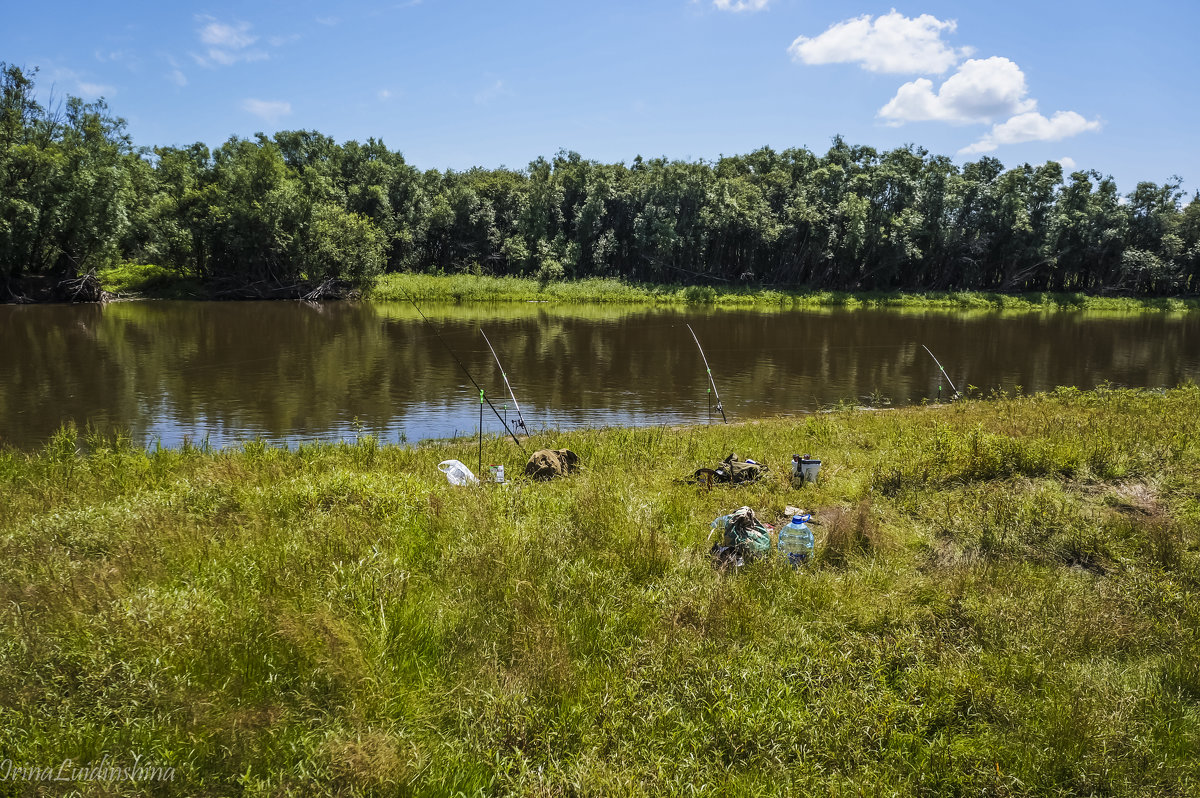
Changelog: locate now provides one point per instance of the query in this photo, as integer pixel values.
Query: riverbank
(1004, 602)
(144, 281)
(469, 288)
(147, 281)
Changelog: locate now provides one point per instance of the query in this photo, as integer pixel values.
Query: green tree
(65, 187)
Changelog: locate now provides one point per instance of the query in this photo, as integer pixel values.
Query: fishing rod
(520, 423)
(482, 398)
(943, 369)
(710, 376)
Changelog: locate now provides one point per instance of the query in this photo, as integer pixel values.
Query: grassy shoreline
(1005, 602)
(153, 282)
(470, 288)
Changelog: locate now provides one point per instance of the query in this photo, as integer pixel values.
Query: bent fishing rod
(482, 397)
(943, 370)
(711, 381)
(520, 423)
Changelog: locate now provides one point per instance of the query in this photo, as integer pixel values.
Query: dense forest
(297, 209)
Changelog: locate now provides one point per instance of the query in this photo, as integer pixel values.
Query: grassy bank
(148, 281)
(1004, 603)
(469, 288)
(134, 280)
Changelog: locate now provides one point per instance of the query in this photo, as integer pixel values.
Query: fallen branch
(84, 288)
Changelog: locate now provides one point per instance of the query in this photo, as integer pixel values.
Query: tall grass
(472, 288)
(130, 279)
(143, 279)
(1004, 602)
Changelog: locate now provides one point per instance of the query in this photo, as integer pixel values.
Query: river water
(291, 372)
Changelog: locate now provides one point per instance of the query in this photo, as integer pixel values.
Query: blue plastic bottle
(796, 540)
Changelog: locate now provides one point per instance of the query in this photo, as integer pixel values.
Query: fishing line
(939, 365)
(465, 371)
(520, 417)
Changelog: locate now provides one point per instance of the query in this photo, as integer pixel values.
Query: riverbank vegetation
(1004, 602)
(134, 281)
(471, 288)
(296, 212)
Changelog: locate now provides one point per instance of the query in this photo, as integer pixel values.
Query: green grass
(157, 282)
(470, 288)
(1004, 602)
(149, 281)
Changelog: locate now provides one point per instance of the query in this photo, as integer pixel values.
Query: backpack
(547, 464)
(733, 471)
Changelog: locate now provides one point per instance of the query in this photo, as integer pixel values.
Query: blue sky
(1112, 86)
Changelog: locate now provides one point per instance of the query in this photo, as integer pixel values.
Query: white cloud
(232, 37)
(1032, 126)
(889, 43)
(226, 58)
(1068, 164)
(385, 94)
(112, 55)
(980, 91)
(227, 44)
(94, 90)
(490, 93)
(267, 110)
(78, 86)
(177, 77)
(740, 5)
(328, 22)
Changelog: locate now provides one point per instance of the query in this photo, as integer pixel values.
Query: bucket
(497, 473)
(804, 469)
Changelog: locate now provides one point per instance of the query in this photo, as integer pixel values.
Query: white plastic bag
(457, 473)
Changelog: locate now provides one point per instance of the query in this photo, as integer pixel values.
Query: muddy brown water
(290, 372)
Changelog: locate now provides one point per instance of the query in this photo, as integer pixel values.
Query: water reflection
(289, 371)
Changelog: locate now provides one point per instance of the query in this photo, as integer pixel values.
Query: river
(290, 372)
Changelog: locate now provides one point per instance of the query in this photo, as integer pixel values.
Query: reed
(141, 280)
(471, 288)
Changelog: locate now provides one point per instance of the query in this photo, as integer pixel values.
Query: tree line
(297, 208)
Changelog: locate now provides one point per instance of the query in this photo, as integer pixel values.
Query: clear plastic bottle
(796, 540)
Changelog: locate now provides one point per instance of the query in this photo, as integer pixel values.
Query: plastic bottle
(796, 540)
(797, 473)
